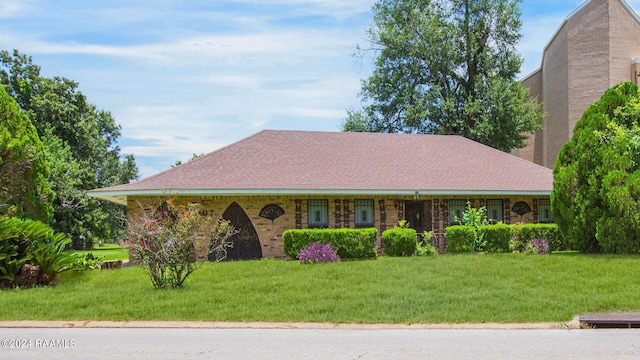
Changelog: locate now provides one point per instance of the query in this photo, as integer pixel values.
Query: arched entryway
(246, 244)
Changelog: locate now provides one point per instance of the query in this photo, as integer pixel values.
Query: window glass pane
(364, 213)
(544, 209)
(495, 210)
(318, 213)
(456, 209)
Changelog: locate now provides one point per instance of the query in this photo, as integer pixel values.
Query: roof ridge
(504, 152)
(352, 132)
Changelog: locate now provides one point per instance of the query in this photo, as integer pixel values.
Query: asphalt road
(129, 343)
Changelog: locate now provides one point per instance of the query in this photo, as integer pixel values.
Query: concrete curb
(574, 324)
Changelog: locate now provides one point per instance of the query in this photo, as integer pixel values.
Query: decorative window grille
(456, 209)
(364, 213)
(318, 213)
(544, 209)
(495, 210)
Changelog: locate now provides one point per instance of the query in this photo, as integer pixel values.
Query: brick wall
(591, 52)
(388, 210)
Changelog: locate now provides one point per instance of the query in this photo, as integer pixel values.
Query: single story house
(273, 181)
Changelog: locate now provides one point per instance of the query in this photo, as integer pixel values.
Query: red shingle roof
(302, 162)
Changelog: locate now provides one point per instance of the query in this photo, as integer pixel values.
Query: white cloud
(11, 8)
(336, 8)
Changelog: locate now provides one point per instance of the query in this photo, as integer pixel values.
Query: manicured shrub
(523, 234)
(399, 241)
(461, 238)
(348, 243)
(497, 237)
(355, 243)
(538, 246)
(295, 240)
(317, 253)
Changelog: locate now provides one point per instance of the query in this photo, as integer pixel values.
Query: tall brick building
(595, 48)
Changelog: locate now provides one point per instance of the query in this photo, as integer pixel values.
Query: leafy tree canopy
(24, 189)
(447, 67)
(596, 189)
(82, 146)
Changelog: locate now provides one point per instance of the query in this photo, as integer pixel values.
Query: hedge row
(347, 243)
(399, 241)
(522, 234)
(504, 238)
(461, 238)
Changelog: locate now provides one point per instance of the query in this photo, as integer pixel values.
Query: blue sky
(185, 77)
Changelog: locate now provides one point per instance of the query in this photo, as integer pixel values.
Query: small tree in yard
(475, 218)
(174, 240)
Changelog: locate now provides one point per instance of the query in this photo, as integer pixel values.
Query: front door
(246, 244)
(414, 214)
(418, 215)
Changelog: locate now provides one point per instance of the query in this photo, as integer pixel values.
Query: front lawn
(106, 252)
(464, 288)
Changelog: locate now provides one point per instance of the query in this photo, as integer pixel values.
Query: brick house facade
(424, 214)
(279, 180)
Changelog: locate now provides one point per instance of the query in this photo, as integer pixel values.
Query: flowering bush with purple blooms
(317, 253)
(539, 246)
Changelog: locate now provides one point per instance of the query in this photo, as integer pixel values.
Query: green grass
(107, 252)
(445, 289)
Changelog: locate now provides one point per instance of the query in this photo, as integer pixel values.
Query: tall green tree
(82, 144)
(596, 188)
(24, 189)
(447, 67)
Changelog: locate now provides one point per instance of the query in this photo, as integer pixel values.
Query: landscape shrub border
(504, 238)
(348, 243)
(461, 238)
(399, 241)
(497, 237)
(523, 234)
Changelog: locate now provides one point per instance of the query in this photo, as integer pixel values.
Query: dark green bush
(523, 234)
(497, 237)
(34, 245)
(461, 238)
(348, 243)
(399, 241)
(597, 176)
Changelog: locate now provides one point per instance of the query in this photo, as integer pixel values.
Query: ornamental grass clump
(539, 246)
(317, 253)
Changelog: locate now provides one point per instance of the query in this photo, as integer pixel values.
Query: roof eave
(120, 196)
